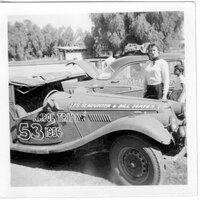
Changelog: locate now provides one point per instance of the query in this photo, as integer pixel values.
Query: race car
(136, 132)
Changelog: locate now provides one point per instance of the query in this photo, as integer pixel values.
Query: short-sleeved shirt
(180, 80)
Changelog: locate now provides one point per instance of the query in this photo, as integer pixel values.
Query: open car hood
(43, 79)
(86, 66)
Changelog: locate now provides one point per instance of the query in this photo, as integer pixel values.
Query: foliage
(110, 31)
(89, 43)
(17, 40)
(28, 41)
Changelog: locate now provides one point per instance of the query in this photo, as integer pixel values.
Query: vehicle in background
(124, 76)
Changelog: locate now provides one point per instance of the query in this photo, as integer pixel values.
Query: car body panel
(92, 120)
(165, 138)
(81, 116)
(106, 86)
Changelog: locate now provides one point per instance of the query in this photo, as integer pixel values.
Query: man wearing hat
(179, 89)
(156, 80)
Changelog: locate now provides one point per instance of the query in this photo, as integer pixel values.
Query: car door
(127, 81)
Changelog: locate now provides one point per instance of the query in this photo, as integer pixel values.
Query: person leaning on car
(178, 93)
(109, 60)
(156, 80)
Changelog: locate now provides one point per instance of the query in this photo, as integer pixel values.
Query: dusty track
(64, 170)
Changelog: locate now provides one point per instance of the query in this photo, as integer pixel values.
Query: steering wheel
(48, 95)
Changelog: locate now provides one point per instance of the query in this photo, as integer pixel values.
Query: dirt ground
(66, 170)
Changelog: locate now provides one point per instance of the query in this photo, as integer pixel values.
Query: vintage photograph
(99, 98)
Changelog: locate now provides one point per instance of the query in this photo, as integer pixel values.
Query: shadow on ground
(95, 165)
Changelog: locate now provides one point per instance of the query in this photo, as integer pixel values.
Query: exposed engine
(31, 98)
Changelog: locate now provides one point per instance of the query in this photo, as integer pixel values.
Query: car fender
(143, 124)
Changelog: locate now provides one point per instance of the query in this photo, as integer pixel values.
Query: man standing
(156, 81)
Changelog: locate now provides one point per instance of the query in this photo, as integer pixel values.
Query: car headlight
(173, 123)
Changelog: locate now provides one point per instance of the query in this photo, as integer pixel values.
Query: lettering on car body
(125, 106)
(45, 117)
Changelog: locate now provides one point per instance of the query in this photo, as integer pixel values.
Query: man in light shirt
(156, 81)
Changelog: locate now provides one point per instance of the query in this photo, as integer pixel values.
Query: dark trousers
(154, 91)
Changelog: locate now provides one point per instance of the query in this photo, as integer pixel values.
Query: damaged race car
(136, 132)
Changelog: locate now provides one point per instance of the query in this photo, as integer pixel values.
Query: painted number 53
(27, 131)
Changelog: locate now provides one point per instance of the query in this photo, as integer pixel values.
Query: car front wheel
(134, 161)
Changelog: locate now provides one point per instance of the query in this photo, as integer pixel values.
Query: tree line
(110, 31)
(28, 41)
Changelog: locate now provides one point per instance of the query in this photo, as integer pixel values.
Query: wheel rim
(133, 165)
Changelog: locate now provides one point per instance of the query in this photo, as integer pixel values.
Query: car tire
(134, 161)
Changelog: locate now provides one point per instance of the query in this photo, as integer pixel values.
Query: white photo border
(190, 33)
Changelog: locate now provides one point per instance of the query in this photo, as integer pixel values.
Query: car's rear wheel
(134, 161)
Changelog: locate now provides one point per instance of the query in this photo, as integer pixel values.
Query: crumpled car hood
(42, 79)
(86, 66)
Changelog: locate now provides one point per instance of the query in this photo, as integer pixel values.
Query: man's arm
(165, 79)
(145, 83)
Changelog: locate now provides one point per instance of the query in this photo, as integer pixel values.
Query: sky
(74, 20)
